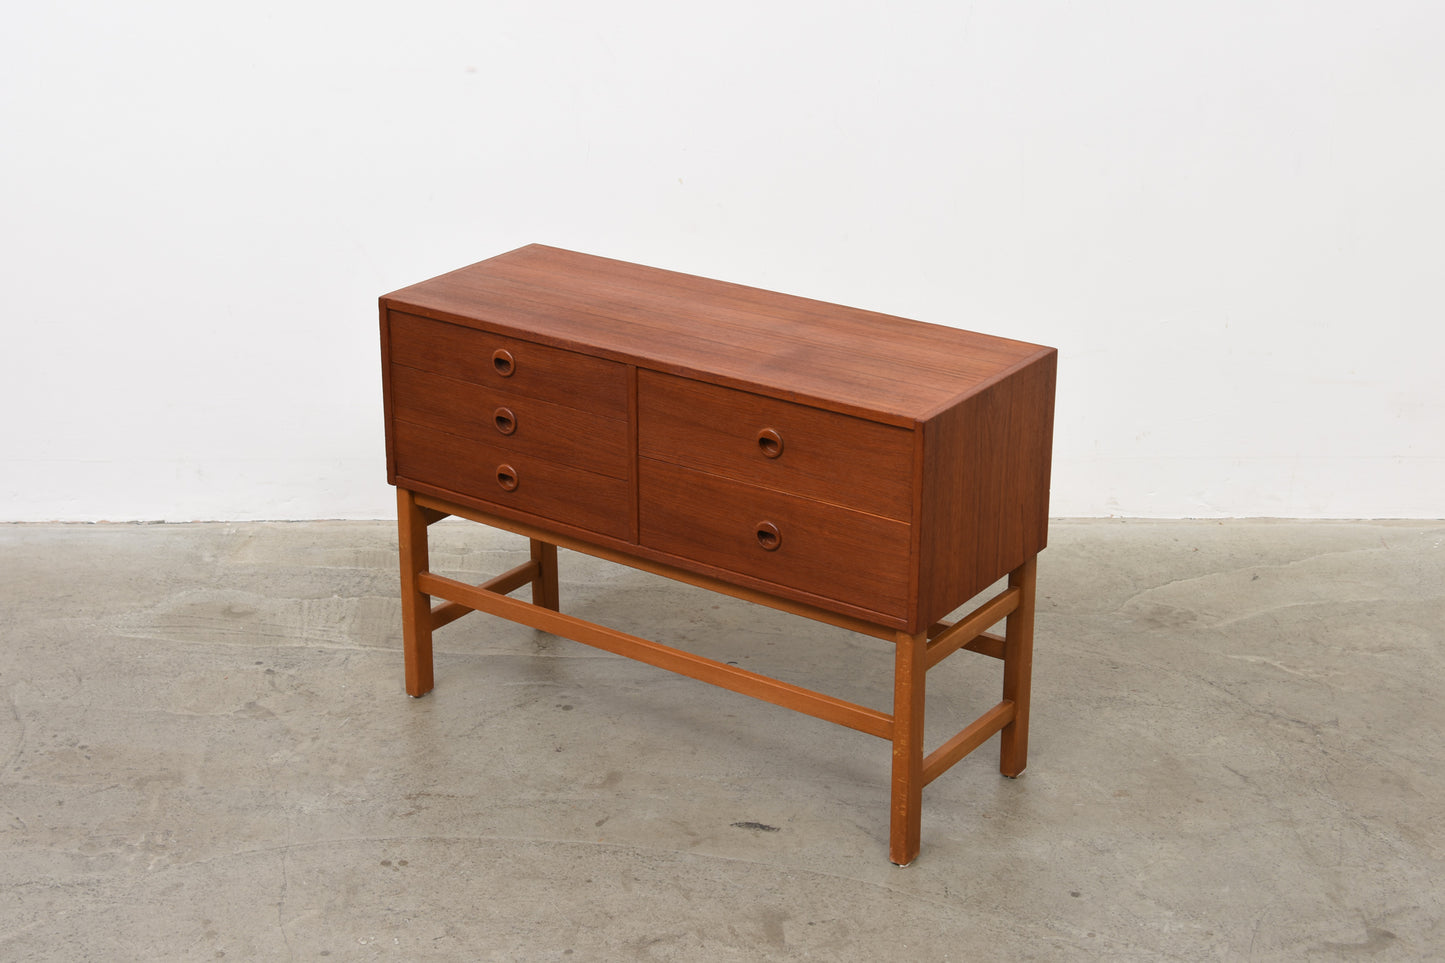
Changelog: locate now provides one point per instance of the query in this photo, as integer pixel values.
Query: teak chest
(859, 469)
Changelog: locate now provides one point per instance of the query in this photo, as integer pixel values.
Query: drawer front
(493, 416)
(776, 444)
(521, 368)
(512, 479)
(790, 541)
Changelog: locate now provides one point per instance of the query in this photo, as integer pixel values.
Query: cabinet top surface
(826, 354)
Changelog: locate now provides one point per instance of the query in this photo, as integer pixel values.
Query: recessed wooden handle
(769, 537)
(503, 362)
(770, 443)
(507, 478)
(505, 420)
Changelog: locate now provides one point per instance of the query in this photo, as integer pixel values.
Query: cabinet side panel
(386, 393)
(986, 478)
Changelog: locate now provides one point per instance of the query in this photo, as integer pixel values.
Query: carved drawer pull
(770, 443)
(502, 361)
(505, 420)
(769, 537)
(507, 477)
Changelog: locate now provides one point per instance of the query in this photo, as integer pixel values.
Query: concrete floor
(206, 753)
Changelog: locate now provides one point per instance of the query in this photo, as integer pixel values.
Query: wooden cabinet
(866, 470)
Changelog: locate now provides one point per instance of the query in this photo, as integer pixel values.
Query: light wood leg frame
(915, 654)
(419, 618)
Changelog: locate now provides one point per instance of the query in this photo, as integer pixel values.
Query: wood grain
(564, 378)
(553, 432)
(984, 499)
(825, 549)
(834, 458)
(547, 489)
(839, 358)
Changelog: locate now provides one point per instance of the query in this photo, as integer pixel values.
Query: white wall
(1228, 217)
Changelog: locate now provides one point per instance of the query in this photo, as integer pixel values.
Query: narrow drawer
(494, 416)
(520, 367)
(512, 479)
(790, 541)
(776, 444)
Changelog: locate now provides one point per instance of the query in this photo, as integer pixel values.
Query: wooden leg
(544, 585)
(1018, 660)
(416, 620)
(905, 825)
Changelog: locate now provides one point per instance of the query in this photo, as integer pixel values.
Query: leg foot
(416, 621)
(905, 825)
(1018, 663)
(544, 586)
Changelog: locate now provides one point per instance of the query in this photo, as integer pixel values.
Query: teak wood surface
(863, 470)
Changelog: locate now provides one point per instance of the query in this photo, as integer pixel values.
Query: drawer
(492, 415)
(785, 539)
(522, 368)
(512, 479)
(776, 444)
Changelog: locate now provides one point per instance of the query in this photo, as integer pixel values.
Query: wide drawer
(776, 444)
(495, 416)
(512, 479)
(790, 541)
(520, 367)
